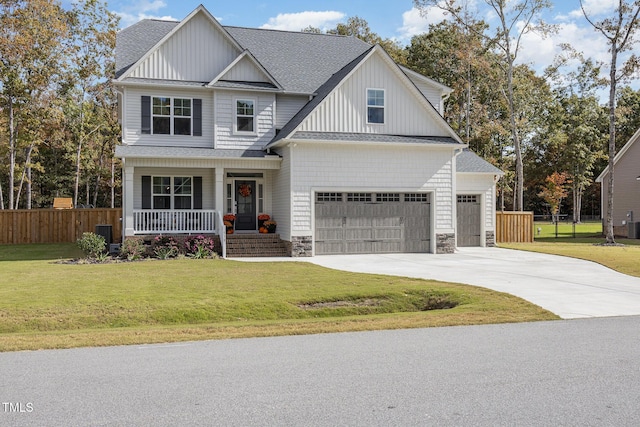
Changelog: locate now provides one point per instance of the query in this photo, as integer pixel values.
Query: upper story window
(245, 115)
(375, 106)
(163, 115)
(171, 120)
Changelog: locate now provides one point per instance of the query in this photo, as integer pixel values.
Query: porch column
(220, 190)
(127, 211)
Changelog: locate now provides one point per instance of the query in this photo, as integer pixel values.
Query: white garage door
(360, 223)
(469, 218)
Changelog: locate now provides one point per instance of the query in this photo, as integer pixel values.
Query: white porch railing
(174, 221)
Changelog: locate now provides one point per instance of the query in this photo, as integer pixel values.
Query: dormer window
(375, 106)
(245, 114)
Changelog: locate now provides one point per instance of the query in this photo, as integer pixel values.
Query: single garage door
(468, 220)
(361, 223)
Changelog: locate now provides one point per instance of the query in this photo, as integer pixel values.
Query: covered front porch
(189, 191)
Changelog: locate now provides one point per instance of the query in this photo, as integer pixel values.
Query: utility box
(634, 230)
(105, 230)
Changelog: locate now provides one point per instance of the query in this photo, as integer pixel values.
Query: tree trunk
(76, 185)
(518, 192)
(612, 143)
(113, 183)
(1, 197)
(12, 152)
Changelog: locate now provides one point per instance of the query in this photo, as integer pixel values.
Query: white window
(245, 115)
(171, 120)
(375, 106)
(166, 189)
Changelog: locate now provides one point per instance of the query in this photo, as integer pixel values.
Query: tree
(554, 191)
(92, 43)
(359, 27)
(30, 50)
(620, 31)
(516, 18)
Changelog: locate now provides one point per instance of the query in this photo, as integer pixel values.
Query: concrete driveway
(568, 287)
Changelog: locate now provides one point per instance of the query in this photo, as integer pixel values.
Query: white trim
(245, 54)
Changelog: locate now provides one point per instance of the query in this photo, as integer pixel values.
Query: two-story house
(346, 150)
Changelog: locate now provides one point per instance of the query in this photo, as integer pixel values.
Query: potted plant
(261, 220)
(270, 226)
(229, 220)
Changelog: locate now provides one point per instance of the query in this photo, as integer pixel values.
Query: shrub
(199, 247)
(92, 244)
(133, 248)
(165, 247)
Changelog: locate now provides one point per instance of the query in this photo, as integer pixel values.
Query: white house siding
(432, 94)
(245, 71)
(208, 177)
(196, 52)
(282, 194)
(480, 184)
(225, 120)
(345, 110)
(288, 106)
(350, 168)
(133, 122)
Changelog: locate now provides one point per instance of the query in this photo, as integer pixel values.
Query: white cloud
(416, 22)
(301, 20)
(595, 8)
(142, 9)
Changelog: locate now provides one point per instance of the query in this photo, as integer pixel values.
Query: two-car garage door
(353, 223)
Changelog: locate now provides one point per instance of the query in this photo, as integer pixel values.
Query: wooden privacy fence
(512, 227)
(55, 225)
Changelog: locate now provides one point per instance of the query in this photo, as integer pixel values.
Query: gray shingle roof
(372, 137)
(300, 62)
(138, 151)
(134, 41)
(469, 162)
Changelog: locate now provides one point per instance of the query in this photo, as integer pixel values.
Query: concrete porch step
(256, 245)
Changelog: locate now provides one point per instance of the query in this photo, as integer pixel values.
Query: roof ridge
(293, 32)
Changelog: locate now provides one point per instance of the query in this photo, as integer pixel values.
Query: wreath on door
(244, 190)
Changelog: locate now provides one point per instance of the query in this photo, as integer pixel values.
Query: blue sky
(396, 19)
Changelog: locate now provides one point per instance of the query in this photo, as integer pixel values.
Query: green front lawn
(45, 304)
(586, 245)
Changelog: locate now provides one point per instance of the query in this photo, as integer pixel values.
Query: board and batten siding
(132, 125)
(208, 187)
(245, 71)
(376, 168)
(345, 109)
(288, 106)
(196, 52)
(225, 119)
(481, 184)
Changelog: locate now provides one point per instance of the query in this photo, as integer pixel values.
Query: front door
(245, 205)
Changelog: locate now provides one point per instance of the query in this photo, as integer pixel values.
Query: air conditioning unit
(634, 230)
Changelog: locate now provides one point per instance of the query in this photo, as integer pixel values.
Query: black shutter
(145, 115)
(146, 192)
(197, 192)
(197, 117)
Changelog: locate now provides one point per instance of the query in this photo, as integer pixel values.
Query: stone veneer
(490, 239)
(445, 243)
(301, 246)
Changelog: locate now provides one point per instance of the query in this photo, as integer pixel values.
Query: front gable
(405, 109)
(197, 50)
(245, 68)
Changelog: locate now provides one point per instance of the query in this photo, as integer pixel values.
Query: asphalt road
(574, 373)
